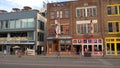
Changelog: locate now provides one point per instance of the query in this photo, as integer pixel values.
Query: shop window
(85, 41)
(62, 41)
(85, 47)
(68, 47)
(95, 40)
(89, 41)
(118, 48)
(99, 41)
(108, 47)
(112, 47)
(79, 41)
(100, 47)
(74, 41)
(118, 40)
(68, 41)
(89, 47)
(95, 47)
(112, 40)
(62, 47)
(50, 45)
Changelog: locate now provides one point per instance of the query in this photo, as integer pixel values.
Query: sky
(34, 4)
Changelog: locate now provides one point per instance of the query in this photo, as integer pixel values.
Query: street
(63, 62)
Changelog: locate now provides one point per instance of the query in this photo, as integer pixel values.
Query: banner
(57, 27)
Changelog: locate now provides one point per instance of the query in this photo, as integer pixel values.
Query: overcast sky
(35, 4)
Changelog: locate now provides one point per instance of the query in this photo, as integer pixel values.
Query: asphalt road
(24, 62)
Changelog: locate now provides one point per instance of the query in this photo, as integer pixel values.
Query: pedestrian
(16, 52)
(58, 54)
(5, 52)
(103, 52)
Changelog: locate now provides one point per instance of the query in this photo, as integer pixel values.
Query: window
(30, 35)
(52, 15)
(100, 47)
(40, 36)
(85, 28)
(24, 23)
(113, 9)
(18, 24)
(78, 12)
(109, 11)
(30, 22)
(89, 47)
(86, 11)
(65, 29)
(60, 14)
(117, 27)
(110, 27)
(41, 25)
(68, 47)
(62, 47)
(4, 24)
(12, 24)
(94, 12)
(67, 14)
(116, 10)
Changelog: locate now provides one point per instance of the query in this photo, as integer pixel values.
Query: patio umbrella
(16, 47)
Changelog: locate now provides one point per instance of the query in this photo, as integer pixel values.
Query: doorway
(78, 49)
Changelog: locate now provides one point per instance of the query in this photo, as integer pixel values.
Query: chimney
(3, 11)
(16, 9)
(26, 8)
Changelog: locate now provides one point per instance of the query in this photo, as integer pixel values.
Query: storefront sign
(63, 37)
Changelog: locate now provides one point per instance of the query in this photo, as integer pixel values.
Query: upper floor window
(116, 25)
(41, 25)
(4, 24)
(52, 14)
(78, 12)
(66, 14)
(110, 27)
(59, 14)
(113, 9)
(90, 11)
(85, 27)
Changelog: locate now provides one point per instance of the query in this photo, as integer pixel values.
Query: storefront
(93, 45)
(112, 45)
(63, 45)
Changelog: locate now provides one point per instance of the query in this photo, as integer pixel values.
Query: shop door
(110, 49)
(78, 49)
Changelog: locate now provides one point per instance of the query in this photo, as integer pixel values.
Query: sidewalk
(63, 56)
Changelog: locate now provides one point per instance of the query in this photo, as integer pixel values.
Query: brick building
(76, 26)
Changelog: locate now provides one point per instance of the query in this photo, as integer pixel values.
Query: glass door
(110, 48)
(118, 48)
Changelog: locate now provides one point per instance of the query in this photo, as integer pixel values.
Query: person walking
(5, 52)
(103, 52)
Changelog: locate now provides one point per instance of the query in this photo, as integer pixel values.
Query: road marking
(105, 62)
(63, 65)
